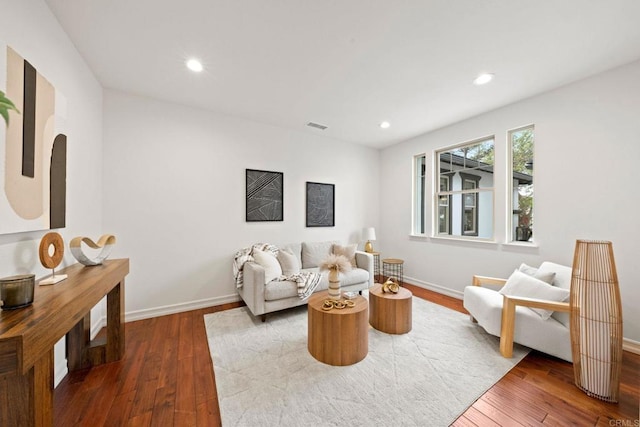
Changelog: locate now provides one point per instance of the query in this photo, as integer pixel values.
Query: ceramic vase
(334, 284)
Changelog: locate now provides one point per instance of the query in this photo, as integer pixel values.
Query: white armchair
(512, 317)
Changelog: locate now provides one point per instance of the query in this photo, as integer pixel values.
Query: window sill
(473, 241)
(419, 237)
(463, 240)
(532, 245)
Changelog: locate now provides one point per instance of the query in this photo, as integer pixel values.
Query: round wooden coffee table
(338, 337)
(388, 312)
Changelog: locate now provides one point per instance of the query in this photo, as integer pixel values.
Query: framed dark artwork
(264, 196)
(320, 205)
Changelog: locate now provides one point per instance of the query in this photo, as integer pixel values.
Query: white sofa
(512, 319)
(263, 298)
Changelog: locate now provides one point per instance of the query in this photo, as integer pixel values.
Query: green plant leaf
(5, 106)
(4, 113)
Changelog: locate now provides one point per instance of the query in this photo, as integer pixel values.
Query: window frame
(512, 210)
(448, 176)
(419, 211)
(478, 191)
(475, 192)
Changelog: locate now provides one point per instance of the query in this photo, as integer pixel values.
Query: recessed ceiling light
(385, 125)
(483, 79)
(194, 65)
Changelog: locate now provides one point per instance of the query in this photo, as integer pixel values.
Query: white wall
(587, 142)
(174, 195)
(30, 28)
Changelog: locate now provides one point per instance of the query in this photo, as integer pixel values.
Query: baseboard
(434, 288)
(179, 308)
(631, 346)
(60, 372)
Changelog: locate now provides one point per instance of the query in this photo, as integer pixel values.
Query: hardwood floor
(166, 378)
(540, 391)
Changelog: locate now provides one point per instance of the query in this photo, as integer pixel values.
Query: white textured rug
(265, 375)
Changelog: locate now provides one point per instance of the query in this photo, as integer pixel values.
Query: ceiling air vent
(316, 125)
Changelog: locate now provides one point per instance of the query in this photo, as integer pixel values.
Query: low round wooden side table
(338, 337)
(388, 312)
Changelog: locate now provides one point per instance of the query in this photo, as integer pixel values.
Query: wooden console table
(28, 335)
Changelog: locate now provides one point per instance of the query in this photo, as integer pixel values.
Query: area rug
(265, 375)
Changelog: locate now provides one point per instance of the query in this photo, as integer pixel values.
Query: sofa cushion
(545, 276)
(289, 262)
(295, 249)
(356, 275)
(563, 274)
(313, 253)
(276, 290)
(561, 280)
(272, 269)
(522, 285)
(349, 252)
(548, 336)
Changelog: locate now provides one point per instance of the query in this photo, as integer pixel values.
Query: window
(419, 211)
(444, 202)
(470, 205)
(521, 180)
(465, 194)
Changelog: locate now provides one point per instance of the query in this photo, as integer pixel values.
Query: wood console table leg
(104, 351)
(115, 323)
(77, 342)
(43, 385)
(27, 400)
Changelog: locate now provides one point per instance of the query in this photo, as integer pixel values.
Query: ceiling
(349, 64)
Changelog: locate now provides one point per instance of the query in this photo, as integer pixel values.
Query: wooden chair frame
(508, 322)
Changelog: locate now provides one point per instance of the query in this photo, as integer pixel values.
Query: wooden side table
(338, 337)
(388, 312)
(393, 267)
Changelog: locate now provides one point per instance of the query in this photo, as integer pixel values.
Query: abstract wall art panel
(33, 150)
(264, 195)
(320, 205)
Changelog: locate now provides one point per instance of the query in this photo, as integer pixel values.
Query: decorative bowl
(17, 291)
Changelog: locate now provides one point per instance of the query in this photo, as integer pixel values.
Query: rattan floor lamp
(596, 320)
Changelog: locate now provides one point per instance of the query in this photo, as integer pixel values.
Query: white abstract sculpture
(105, 242)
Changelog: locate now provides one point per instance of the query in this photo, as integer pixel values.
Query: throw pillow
(522, 285)
(272, 269)
(349, 252)
(313, 253)
(546, 277)
(288, 262)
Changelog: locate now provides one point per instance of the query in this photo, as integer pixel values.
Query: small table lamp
(368, 234)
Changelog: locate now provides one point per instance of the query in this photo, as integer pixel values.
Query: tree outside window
(522, 191)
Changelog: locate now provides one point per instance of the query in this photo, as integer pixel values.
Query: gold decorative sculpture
(330, 304)
(596, 320)
(51, 260)
(105, 243)
(390, 286)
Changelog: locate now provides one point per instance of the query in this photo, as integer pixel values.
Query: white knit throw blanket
(307, 281)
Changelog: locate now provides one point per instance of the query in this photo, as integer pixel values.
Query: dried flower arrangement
(338, 263)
